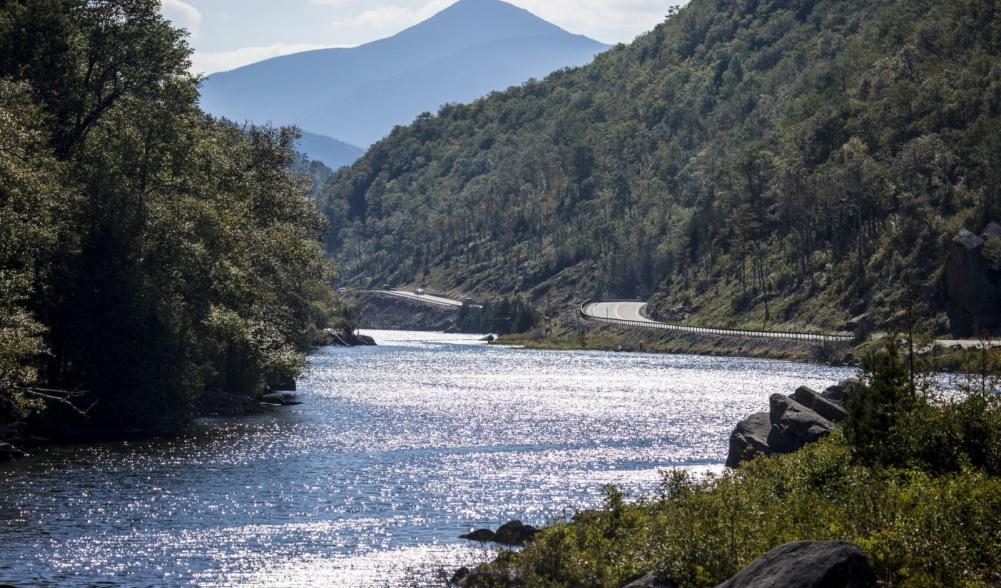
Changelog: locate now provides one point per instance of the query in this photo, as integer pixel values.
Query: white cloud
(183, 15)
(209, 63)
(358, 22)
(611, 21)
(606, 20)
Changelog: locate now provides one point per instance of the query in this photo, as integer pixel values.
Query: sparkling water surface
(396, 451)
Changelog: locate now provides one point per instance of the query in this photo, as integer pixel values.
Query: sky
(227, 34)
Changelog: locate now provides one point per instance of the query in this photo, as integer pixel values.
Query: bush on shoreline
(913, 481)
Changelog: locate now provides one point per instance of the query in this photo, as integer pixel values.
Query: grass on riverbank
(615, 338)
(914, 479)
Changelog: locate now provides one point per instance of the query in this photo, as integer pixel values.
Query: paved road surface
(625, 311)
(425, 298)
(633, 312)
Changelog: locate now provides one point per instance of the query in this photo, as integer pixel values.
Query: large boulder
(973, 281)
(794, 425)
(820, 405)
(807, 564)
(840, 392)
(749, 439)
(482, 535)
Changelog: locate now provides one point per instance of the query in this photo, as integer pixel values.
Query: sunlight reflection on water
(397, 450)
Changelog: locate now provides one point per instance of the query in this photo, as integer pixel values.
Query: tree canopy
(150, 255)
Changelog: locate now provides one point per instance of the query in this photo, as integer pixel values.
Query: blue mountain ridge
(357, 95)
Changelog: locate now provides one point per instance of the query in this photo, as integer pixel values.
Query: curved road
(623, 311)
(632, 313)
(425, 298)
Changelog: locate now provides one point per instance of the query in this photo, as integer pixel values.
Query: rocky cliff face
(973, 281)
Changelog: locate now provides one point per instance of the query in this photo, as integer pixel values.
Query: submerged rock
(280, 399)
(515, 533)
(807, 564)
(483, 535)
(511, 533)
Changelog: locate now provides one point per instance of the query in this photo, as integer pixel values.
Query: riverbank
(937, 357)
(910, 479)
(628, 339)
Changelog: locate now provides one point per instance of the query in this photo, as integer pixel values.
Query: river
(396, 451)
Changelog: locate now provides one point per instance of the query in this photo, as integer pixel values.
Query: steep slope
(359, 94)
(781, 162)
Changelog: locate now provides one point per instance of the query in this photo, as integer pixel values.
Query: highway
(623, 311)
(630, 313)
(424, 298)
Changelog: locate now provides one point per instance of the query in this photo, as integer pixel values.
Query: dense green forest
(748, 162)
(151, 258)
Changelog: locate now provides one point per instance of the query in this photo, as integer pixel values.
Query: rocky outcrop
(343, 338)
(794, 425)
(807, 564)
(379, 311)
(280, 399)
(511, 533)
(749, 439)
(973, 281)
(816, 402)
(791, 422)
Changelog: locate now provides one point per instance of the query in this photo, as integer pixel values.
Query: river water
(396, 450)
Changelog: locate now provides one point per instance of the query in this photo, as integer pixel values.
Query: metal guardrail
(817, 337)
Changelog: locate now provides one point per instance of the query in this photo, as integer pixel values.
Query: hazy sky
(229, 33)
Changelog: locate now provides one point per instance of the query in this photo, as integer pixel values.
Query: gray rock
(806, 564)
(749, 439)
(275, 398)
(649, 580)
(973, 283)
(515, 533)
(794, 425)
(483, 535)
(820, 405)
(840, 392)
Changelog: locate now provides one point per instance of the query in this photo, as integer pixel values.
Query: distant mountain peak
(359, 94)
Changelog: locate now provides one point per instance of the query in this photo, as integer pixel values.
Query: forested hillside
(749, 162)
(150, 257)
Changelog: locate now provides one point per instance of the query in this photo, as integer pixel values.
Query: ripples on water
(396, 451)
